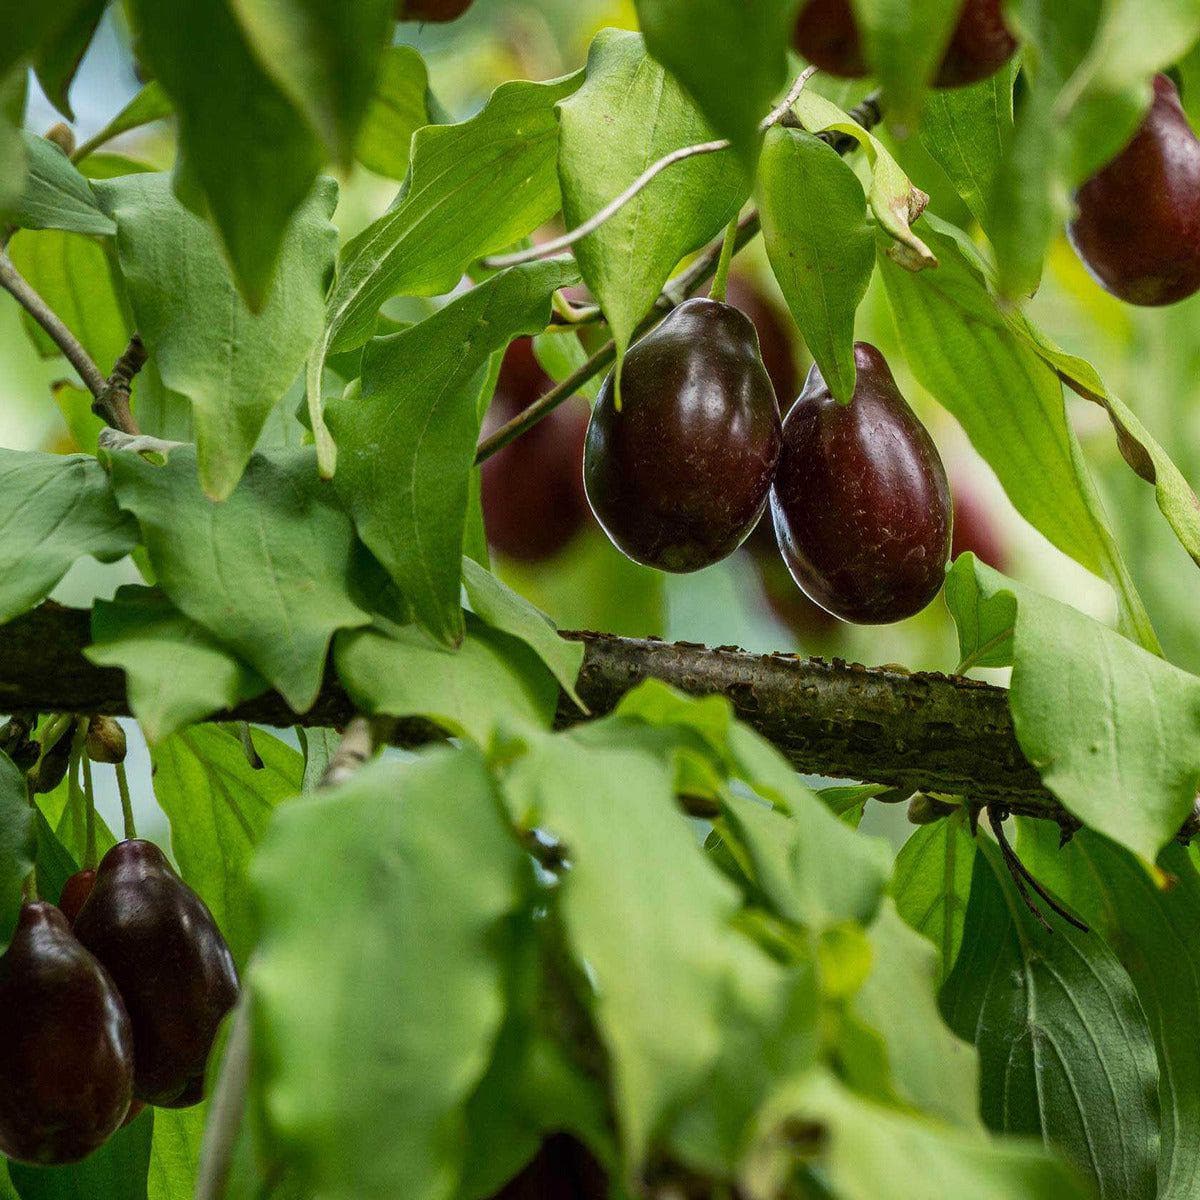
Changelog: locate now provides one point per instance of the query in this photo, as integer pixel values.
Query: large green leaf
(962, 348)
(23, 29)
(323, 54)
(175, 1153)
(56, 509)
(269, 572)
(627, 114)
(383, 908)
(399, 107)
(232, 364)
(408, 437)
(176, 672)
(1064, 1046)
(1155, 932)
(56, 195)
(117, 1170)
(1113, 730)
(219, 807)
(244, 147)
(732, 58)
(822, 250)
(18, 843)
(489, 680)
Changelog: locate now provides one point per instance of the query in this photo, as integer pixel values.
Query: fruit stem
(126, 803)
(75, 798)
(720, 282)
(89, 796)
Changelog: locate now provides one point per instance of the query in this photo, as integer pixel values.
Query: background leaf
(56, 195)
(18, 843)
(398, 108)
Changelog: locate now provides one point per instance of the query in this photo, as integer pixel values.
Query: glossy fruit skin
(861, 503)
(680, 474)
(827, 34)
(1138, 225)
(66, 1047)
(163, 949)
(431, 10)
(75, 893)
(563, 1169)
(533, 498)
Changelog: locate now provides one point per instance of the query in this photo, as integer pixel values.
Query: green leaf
(489, 680)
(175, 1153)
(408, 438)
(1155, 932)
(1113, 730)
(628, 114)
(117, 1170)
(269, 572)
(149, 105)
(176, 672)
(398, 108)
(55, 863)
(396, 943)
(323, 54)
(931, 883)
(232, 364)
(57, 509)
(23, 29)
(1065, 1050)
(57, 59)
(732, 58)
(56, 195)
(502, 608)
(18, 843)
(962, 349)
(219, 807)
(74, 275)
(245, 149)
(822, 250)
(13, 164)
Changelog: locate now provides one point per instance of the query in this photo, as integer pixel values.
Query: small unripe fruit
(105, 740)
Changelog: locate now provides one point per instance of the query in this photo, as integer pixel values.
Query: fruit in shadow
(562, 1169)
(533, 499)
(975, 527)
(809, 622)
(75, 893)
(1137, 228)
(66, 1047)
(827, 34)
(160, 944)
(679, 474)
(860, 502)
(431, 10)
(776, 342)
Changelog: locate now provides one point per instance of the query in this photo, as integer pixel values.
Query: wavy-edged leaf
(408, 436)
(398, 108)
(56, 509)
(397, 944)
(822, 250)
(269, 572)
(628, 114)
(56, 195)
(1064, 1046)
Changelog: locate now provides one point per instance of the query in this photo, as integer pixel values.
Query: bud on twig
(105, 740)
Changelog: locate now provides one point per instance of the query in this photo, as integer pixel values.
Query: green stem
(720, 282)
(89, 796)
(75, 798)
(126, 803)
(29, 888)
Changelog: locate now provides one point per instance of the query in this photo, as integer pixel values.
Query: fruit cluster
(108, 1002)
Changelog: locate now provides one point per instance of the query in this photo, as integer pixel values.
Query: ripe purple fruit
(860, 501)
(563, 1169)
(163, 949)
(679, 475)
(66, 1049)
(75, 893)
(827, 34)
(1138, 225)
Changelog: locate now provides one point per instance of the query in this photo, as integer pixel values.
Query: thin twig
(1022, 875)
(18, 286)
(557, 245)
(362, 739)
(112, 403)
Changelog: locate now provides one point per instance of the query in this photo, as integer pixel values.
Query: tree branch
(921, 732)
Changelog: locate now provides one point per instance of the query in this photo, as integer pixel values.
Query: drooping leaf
(1064, 1046)
(822, 251)
(1113, 730)
(219, 808)
(245, 149)
(57, 59)
(231, 363)
(176, 672)
(18, 843)
(118, 1169)
(56, 509)
(383, 904)
(398, 108)
(628, 114)
(408, 437)
(268, 572)
(56, 195)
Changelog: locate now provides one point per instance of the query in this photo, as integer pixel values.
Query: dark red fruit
(75, 892)
(66, 1049)
(431, 10)
(827, 34)
(680, 474)
(1138, 225)
(563, 1169)
(860, 501)
(975, 528)
(775, 340)
(170, 963)
(533, 499)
